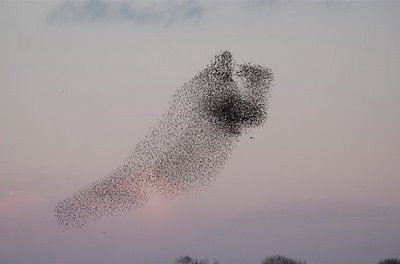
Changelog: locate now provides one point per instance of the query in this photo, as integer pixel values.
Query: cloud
(91, 11)
(319, 210)
(15, 203)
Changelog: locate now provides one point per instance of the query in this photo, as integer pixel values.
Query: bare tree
(184, 260)
(282, 260)
(390, 261)
(190, 260)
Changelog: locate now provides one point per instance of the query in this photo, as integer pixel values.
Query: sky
(82, 81)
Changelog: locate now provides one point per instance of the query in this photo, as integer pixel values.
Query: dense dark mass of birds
(187, 148)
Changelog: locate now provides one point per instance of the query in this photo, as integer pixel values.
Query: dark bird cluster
(187, 148)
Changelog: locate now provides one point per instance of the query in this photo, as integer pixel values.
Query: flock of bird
(187, 148)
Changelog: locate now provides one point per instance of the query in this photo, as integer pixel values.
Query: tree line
(277, 259)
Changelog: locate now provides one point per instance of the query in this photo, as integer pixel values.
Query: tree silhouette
(390, 261)
(190, 260)
(281, 260)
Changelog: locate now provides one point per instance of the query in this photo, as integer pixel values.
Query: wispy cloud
(91, 11)
(13, 203)
(321, 210)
